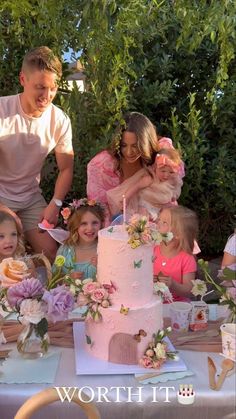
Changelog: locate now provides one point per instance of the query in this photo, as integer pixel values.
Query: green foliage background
(173, 60)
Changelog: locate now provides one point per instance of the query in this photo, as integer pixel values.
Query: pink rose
(99, 294)
(146, 362)
(90, 287)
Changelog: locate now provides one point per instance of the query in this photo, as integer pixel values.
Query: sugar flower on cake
(12, 271)
(157, 351)
(93, 295)
(141, 232)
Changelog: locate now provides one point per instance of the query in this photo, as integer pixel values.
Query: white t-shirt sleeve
(64, 144)
(230, 246)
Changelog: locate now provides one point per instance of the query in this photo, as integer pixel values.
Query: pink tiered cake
(127, 326)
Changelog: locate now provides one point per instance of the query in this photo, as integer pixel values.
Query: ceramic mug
(228, 336)
(180, 315)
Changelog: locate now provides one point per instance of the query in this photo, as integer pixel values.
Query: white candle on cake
(124, 209)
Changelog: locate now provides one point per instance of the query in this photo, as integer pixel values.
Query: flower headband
(162, 160)
(78, 203)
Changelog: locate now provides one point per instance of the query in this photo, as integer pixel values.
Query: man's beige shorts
(29, 212)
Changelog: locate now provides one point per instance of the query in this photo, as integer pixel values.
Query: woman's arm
(101, 176)
(128, 188)
(228, 260)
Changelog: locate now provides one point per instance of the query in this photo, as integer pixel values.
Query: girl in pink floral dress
(134, 147)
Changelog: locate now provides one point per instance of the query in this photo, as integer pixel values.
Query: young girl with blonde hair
(174, 263)
(11, 234)
(84, 218)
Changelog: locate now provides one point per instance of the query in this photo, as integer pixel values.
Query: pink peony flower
(31, 311)
(59, 301)
(99, 294)
(28, 288)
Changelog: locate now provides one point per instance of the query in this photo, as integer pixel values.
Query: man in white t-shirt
(30, 128)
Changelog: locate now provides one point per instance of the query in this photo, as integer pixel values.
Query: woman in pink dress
(134, 146)
(151, 188)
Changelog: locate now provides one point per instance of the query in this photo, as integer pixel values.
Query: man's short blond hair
(42, 58)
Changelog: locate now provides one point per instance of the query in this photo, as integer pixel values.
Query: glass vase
(30, 344)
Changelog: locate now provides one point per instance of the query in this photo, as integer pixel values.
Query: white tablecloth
(208, 404)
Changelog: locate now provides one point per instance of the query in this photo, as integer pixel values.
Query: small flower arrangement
(157, 351)
(35, 304)
(77, 203)
(93, 295)
(140, 232)
(163, 291)
(226, 290)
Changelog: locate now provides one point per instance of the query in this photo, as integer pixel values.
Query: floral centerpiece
(141, 232)
(226, 289)
(35, 306)
(157, 351)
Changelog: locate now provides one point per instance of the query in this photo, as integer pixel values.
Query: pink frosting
(148, 318)
(117, 261)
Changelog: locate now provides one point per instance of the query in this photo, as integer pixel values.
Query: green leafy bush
(172, 60)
